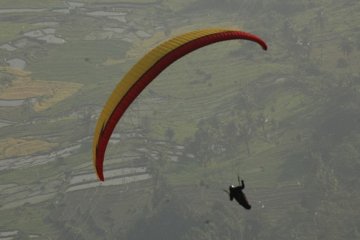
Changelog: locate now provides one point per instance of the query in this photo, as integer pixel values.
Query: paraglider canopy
(144, 71)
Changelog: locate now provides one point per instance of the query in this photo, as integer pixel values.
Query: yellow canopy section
(139, 69)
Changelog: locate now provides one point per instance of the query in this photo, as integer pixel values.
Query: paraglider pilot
(237, 193)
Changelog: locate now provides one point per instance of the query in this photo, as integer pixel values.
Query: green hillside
(285, 120)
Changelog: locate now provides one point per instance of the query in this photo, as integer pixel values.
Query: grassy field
(11, 30)
(34, 4)
(23, 147)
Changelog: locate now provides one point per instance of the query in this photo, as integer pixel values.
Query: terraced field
(284, 120)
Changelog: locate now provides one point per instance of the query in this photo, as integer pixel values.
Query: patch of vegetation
(13, 30)
(26, 4)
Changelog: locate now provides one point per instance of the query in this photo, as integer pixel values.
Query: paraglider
(144, 71)
(237, 193)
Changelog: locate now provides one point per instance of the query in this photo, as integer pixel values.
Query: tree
(5, 80)
(146, 124)
(169, 134)
(346, 46)
(320, 18)
(247, 131)
(345, 163)
(231, 137)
